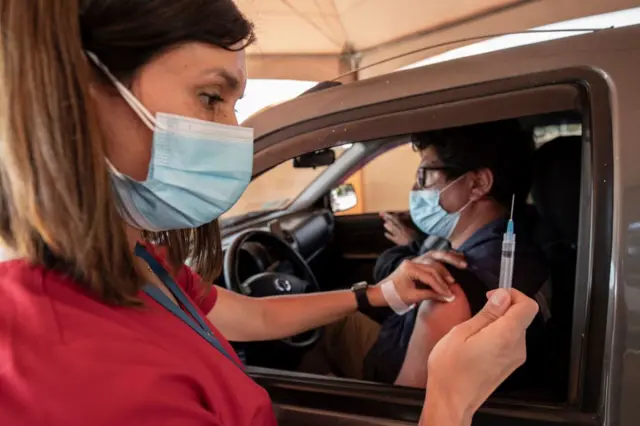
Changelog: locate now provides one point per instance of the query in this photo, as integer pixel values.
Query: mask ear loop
(147, 118)
(452, 183)
(449, 186)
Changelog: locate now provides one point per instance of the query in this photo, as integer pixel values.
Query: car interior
(319, 249)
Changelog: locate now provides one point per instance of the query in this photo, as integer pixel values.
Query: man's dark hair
(502, 147)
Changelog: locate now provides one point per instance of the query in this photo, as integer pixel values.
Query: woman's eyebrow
(231, 80)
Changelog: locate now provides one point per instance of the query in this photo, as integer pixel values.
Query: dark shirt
(483, 254)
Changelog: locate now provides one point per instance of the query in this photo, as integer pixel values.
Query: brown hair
(56, 203)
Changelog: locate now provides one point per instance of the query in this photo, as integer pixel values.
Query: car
(326, 164)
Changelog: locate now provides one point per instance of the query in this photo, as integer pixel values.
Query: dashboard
(307, 232)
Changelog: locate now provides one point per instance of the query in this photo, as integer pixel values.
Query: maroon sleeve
(204, 296)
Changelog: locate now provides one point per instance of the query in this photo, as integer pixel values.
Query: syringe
(508, 251)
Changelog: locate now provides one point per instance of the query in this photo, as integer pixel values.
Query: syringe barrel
(506, 262)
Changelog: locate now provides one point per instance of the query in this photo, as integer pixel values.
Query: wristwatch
(360, 291)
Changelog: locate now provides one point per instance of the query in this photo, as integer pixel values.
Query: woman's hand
(396, 231)
(415, 281)
(470, 362)
(452, 257)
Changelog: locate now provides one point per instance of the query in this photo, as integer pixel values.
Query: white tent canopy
(316, 40)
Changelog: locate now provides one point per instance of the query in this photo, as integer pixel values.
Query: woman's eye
(210, 100)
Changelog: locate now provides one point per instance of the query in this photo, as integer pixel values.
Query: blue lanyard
(156, 294)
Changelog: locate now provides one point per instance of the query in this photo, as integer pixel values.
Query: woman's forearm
(443, 412)
(247, 319)
(284, 316)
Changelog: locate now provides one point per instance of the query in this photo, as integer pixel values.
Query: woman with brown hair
(118, 136)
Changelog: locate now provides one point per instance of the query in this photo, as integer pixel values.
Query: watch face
(359, 286)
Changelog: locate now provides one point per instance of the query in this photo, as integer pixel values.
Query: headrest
(556, 186)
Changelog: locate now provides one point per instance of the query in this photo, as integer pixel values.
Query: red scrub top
(68, 359)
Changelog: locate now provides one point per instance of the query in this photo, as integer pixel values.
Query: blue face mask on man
(429, 216)
(198, 170)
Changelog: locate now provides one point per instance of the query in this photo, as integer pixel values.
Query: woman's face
(194, 80)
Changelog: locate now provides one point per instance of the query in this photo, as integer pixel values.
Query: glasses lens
(420, 177)
(428, 176)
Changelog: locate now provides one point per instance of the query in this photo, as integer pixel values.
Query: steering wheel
(271, 282)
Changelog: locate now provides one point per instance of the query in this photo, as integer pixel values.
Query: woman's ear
(482, 183)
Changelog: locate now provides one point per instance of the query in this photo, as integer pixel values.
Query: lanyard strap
(199, 325)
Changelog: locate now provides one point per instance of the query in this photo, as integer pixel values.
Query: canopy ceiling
(320, 39)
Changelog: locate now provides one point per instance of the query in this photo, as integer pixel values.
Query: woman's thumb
(495, 307)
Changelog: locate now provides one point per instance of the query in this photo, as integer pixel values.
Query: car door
(575, 75)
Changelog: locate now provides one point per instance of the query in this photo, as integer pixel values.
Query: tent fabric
(321, 39)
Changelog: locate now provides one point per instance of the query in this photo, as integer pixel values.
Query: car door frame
(572, 88)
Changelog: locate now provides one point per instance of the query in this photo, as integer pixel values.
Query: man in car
(465, 184)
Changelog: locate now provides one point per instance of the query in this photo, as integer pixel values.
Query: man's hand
(397, 231)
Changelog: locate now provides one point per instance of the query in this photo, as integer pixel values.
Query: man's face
(432, 173)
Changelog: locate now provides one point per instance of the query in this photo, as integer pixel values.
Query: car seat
(556, 194)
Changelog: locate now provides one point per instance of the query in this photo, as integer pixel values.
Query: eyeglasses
(427, 176)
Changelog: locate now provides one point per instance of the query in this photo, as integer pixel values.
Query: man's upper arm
(433, 321)
(475, 290)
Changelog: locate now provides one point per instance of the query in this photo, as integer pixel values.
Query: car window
(384, 183)
(277, 188)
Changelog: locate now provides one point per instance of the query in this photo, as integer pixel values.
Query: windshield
(277, 188)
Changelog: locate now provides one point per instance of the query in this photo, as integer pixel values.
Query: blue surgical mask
(198, 170)
(429, 216)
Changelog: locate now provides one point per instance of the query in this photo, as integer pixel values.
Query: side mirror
(324, 157)
(343, 198)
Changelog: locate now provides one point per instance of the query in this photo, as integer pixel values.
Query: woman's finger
(451, 257)
(432, 295)
(517, 298)
(428, 276)
(511, 310)
(495, 308)
(523, 309)
(443, 271)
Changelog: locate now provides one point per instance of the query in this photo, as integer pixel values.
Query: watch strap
(360, 291)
